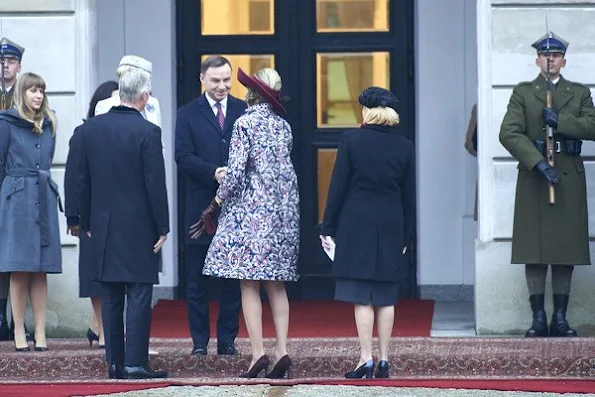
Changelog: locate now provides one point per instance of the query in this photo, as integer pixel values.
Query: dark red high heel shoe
(281, 368)
(261, 364)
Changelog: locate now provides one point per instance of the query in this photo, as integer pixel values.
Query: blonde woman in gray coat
(29, 232)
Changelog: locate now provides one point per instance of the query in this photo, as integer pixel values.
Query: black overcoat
(371, 203)
(200, 147)
(124, 196)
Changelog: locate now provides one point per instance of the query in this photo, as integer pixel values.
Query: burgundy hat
(268, 94)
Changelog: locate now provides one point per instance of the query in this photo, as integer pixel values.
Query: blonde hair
(270, 78)
(380, 116)
(25, 82)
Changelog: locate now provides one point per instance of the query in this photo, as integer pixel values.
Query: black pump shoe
(261, 364)
(365, 370)
(281, 368)
(382, 369)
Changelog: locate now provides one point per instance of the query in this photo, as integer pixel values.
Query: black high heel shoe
(382, 369)
(92, 336)
(365, 370)
(281, 368)
(261, 364)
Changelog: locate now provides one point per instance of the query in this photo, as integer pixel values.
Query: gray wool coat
(29, 230)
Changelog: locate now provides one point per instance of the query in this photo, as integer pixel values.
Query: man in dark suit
(203, 131)
(124, 208)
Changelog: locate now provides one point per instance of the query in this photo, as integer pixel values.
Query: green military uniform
(543, 233)
(9, 95)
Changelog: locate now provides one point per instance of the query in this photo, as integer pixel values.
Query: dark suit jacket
(119, 161)
(200, 147)
(371, 203)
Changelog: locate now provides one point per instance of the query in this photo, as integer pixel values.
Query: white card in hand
(330, 252)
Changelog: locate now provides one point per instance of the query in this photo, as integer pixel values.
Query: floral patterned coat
(257, 236)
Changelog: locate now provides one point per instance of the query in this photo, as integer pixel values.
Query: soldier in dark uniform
(543, 233)
(13, 54)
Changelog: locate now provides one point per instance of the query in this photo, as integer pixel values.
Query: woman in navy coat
(369, 214)
(89, 287)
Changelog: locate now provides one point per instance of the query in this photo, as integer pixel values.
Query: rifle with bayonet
(549, 131)
(3, 104)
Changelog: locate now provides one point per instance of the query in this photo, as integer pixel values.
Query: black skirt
(367, 292)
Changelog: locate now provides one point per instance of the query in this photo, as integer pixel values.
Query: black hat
(373, 97)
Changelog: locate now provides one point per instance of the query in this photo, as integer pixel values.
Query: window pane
(222, 17)
(340, 79)
(325, 163)
(249, 64)
(352, 15)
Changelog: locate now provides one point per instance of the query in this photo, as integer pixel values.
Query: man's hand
(550, 117)
(73, 230)
(159, 243)
(220, 173)
(548, 172)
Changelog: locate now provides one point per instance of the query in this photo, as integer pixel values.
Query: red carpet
(308, 319)
(71, 389)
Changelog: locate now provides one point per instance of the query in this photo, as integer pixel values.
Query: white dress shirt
(213, 104)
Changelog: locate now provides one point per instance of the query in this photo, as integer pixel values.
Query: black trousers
(198, 302)
(135, 350)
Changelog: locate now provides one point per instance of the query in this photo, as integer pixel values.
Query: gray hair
(133, 83)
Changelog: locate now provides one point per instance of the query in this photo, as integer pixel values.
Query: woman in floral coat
(257, 237)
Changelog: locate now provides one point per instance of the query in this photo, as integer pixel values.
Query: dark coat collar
(381, 128)
(125, 110)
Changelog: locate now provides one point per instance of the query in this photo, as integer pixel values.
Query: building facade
(428, 51)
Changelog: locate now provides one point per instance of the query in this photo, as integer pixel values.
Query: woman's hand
(326, 242)
(207, 222)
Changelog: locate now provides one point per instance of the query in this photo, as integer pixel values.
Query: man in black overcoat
(124, 209)
(203, 131)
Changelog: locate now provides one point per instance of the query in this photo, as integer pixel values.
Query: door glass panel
(249, 64)
(229, 17)
(352, 15)
(340, 79)
(325, 162)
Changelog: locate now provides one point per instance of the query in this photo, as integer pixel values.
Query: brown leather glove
(207, 222)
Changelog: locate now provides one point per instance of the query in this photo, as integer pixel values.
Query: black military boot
(539, 326)
(4, 329)
(559, 326)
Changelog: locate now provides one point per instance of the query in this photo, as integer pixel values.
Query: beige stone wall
(57, 35)
(506, 30)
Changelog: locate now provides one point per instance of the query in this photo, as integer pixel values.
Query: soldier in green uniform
(543, 233)
(12, 54)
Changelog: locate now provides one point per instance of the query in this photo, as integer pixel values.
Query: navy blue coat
(200, 147)
(371, 203)
(123, 195)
